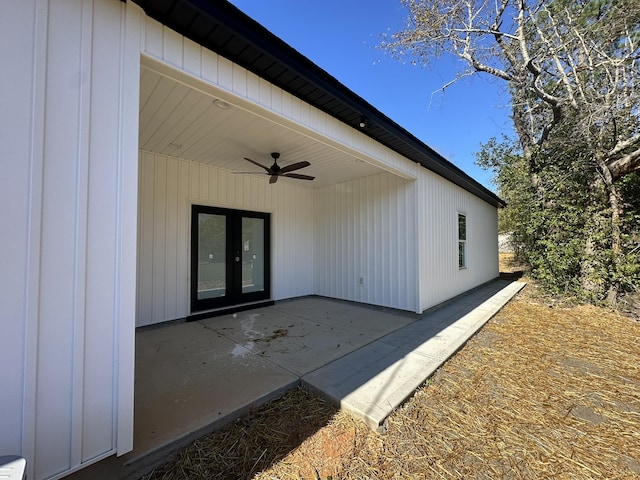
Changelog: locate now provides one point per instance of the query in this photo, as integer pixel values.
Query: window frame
(462, 241)
(234, 295)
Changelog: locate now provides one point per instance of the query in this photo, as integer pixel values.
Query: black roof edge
(237, 37)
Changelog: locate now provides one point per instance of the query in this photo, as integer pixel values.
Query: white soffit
(179, 119)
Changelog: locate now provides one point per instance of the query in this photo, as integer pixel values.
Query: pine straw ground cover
(543, 391)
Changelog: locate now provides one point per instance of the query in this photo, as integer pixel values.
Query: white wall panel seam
(54, 415)
(127, 212)
(81, 227)
(153, 39)
(171, 268)
(191, 57)
(172, 46)
(145, 225)
(16, 126)
(159, 240)
(32, 307)
(183, 235)
(420, 214)
(99, 383)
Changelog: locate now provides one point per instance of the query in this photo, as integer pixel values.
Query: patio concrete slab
(303, 342)
(374, 380)
(365, 320)
(192, 378)
(189, 377)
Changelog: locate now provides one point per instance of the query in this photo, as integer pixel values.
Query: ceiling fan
(275, 170)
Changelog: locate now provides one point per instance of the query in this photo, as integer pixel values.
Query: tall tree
(572, 68)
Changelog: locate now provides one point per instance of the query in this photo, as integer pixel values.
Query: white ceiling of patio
(181, 121)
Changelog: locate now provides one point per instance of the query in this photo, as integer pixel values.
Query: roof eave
(224, 29)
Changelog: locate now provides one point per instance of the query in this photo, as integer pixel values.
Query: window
(462, 241)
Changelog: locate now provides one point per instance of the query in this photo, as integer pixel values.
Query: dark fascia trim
(227, 31)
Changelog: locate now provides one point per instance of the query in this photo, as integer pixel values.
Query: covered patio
(325, 234)
(193, 378)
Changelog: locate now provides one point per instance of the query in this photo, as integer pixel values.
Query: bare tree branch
(626, 144)
(561, 61)
(624, 166)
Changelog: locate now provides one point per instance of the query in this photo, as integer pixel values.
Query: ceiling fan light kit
(275, 170)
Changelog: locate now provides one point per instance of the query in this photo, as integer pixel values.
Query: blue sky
(342, 38)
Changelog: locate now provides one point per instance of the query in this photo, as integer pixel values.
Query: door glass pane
(253, 254)
(212, 240)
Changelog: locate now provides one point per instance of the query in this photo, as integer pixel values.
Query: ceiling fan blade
(299, 176)
(273, 179)
(258, 164)
(294, 166)
(249, 173)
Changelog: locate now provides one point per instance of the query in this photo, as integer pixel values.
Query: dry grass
(540, 392)
(253, 442)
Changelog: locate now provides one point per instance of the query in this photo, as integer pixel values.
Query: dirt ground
(543, 391)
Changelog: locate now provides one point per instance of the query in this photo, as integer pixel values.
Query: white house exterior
(112, 133)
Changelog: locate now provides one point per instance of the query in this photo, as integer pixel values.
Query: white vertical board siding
(366, 229)
(439, 203)
(168, 188)
(18, 170)
(63, 179)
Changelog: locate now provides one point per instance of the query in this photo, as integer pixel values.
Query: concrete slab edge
(403, 392)
(408, 388)
(138, 466)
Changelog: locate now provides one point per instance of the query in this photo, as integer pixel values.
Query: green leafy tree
(552, 223)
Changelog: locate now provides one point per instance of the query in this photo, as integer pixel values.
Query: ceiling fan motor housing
(275, 168)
